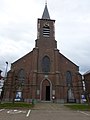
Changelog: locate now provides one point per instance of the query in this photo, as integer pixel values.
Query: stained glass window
(69, 78)
(21, 76)
(46, 64)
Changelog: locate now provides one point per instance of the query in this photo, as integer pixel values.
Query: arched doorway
(45, 90)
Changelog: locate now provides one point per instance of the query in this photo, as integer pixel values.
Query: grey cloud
(72, 29)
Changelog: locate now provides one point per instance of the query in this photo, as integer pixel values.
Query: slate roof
(45, 13)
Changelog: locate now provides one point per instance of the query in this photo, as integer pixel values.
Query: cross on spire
(46, 2)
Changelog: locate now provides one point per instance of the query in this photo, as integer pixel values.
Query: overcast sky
(18, 29)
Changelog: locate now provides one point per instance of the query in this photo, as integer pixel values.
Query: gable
(23, 62)
(67, 64)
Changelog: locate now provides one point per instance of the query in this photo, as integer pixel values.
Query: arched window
(20, 83)
(70, 93)
(46, 31)
(21, 76)
(46, 64)
(69, 78)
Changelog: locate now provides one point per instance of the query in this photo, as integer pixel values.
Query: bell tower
(46, 31)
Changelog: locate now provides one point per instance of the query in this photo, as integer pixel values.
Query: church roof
(45, 13)
(88, 72)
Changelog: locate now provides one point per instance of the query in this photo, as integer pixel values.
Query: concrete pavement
(44, 111)
(52, 111)
(49, 106)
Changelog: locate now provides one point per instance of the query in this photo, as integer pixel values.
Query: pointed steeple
(46, 13)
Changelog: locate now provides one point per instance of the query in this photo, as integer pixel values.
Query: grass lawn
(16, 105)
(83, 107)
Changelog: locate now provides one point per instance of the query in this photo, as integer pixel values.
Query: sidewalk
(49, 106)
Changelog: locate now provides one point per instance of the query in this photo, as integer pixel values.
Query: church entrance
(47, 93)
(45, 89)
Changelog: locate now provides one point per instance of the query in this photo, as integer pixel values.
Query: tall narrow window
(69, 78)
(21, 76)
(20, 83)
(46, 64)
(70, 93)
(46, 31)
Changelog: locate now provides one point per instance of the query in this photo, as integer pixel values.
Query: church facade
(43, 74)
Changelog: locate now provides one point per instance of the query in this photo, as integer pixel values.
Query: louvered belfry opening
(46, 31)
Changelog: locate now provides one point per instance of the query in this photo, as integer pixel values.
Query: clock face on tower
(46, 24)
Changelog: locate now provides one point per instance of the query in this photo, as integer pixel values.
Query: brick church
(44, 73)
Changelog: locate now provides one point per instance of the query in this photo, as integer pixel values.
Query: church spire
(46, 13)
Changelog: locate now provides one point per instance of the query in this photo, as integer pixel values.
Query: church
(44, 74)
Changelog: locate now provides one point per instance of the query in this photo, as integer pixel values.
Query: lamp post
(6, 70)
(1, 85)
(4, 78)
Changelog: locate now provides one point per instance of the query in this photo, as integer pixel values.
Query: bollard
(33, 101)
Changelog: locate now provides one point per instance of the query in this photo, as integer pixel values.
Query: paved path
(49, 106)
